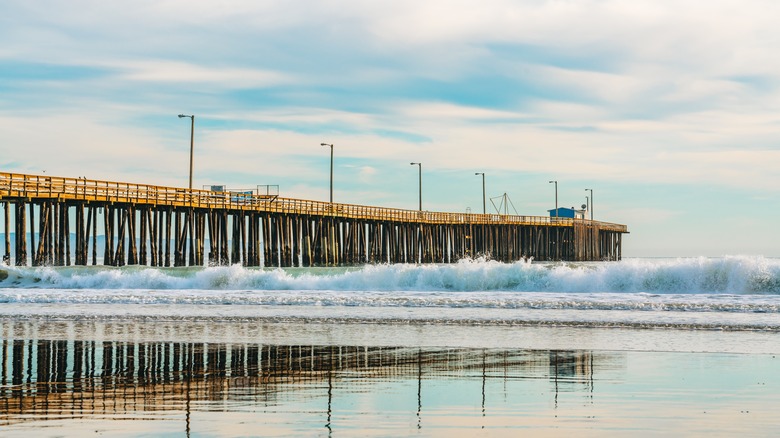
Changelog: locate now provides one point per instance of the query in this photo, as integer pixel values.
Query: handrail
(15, 185)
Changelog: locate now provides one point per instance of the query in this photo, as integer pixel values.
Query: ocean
(729, 293)
(379, 334)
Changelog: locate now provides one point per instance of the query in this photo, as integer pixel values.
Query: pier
(57, 221)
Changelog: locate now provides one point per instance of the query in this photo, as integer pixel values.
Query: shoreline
(384, 334)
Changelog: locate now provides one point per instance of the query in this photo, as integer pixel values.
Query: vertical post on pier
(419, 168)
(591, 203)
(79, 233)
(21, 234)
(7, 253)
(192, 141)
(556, 197)
(93, 209)
(483, 190)
(176, 239)
(144, 233)
(331, 169)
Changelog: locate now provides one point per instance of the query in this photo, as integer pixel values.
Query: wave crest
(726, 275)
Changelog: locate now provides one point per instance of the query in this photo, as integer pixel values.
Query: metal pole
(419, 166)
(483, 190)
(483, 194)
(192, 145)
(591, 202)
(331, 169)
(556, 197)
(192, 141)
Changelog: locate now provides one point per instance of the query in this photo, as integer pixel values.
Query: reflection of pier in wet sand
(74, 379)
(282, 379)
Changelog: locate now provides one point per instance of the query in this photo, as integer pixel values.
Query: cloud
(166, 71)
(367, 174)
(71, 145)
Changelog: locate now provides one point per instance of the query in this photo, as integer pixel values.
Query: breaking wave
(726, 275)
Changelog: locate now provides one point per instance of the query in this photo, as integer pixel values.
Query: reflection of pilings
(87, 376)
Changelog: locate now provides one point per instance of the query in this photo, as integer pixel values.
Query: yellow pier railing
(39, 187)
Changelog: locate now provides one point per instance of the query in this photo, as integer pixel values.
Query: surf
(725, 275)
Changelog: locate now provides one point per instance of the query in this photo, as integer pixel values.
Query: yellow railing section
(36, 187)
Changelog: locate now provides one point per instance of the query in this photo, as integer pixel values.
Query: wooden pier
(63, 221)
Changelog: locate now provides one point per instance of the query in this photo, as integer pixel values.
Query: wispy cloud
(165, 71)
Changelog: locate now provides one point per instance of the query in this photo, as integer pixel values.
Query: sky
(668, 110)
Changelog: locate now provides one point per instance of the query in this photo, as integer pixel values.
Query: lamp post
(483, 190)
(556, 197)
(419, 168)
(591, 203)
(331, 169)
(192, 140)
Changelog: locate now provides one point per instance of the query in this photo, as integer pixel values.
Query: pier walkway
(142, 224)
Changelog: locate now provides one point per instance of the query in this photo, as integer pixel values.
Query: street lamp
(483, 190)
(556, 197)
(419, 168)
(192, 141)
(331, 169)
(591, 202)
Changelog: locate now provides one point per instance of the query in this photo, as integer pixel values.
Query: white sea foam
(726, 293)
(727, 275)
